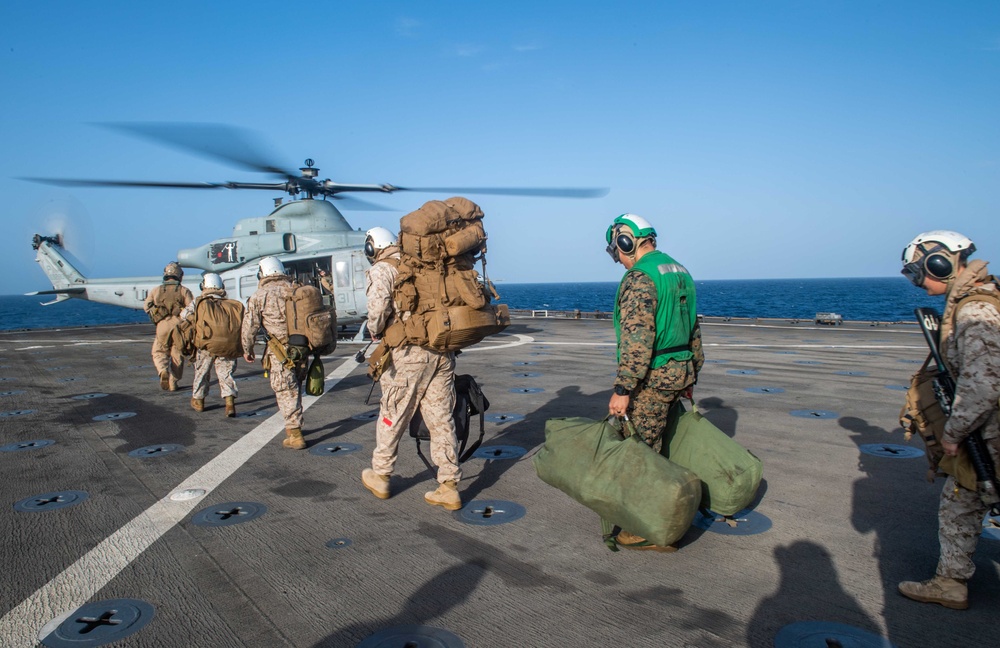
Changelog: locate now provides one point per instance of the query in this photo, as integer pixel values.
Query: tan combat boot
(198, 404)
(376, 483)
(949, 592)
(172, 386)
(230, 406)
(627, 540)
(446, 495)
(294, 439)
(164, 380)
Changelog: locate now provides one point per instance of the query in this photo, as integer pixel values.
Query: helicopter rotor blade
(356, 204)
(234, 146)
(537, 192)
(71, 182)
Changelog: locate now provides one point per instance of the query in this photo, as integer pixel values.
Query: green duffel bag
(730, 474)
(620, 479)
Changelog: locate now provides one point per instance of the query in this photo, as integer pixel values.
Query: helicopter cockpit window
(269, 225)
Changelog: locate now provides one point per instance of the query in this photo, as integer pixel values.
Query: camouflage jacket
(266, 308)
(381, 279)
(637, 303)
(971, 347)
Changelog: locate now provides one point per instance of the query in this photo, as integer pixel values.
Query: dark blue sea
(883, 299)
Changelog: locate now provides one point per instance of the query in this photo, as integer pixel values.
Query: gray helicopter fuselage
(315, 237)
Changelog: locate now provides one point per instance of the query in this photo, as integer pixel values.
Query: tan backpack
(311, 323)
(217, 327)
(441, 302)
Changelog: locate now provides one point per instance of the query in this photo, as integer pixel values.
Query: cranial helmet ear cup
(938, 266)
(624, 240)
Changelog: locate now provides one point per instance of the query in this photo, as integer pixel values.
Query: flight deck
(131, 520)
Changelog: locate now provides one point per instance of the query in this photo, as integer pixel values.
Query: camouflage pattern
(266, 308)
(652, 391)
(381, 277)
(971, 346)
(165, 358)
(224, 369)
(416, 377)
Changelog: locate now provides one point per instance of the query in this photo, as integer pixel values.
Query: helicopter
(308, 233)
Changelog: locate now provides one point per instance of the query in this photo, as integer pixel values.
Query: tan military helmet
(174, 270)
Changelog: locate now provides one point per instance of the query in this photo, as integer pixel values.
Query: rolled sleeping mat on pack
(620, 479)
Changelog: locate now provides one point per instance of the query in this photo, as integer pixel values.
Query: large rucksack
(441, 301)
(311, 323)
(469, 400)
(217, 326)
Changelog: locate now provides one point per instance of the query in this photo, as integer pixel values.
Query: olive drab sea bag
(311, 323)
(730, 474)
(621, 479)
(442, 301)
(217, 325)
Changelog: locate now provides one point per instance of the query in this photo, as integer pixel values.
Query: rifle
(944, 389)
(281, 352)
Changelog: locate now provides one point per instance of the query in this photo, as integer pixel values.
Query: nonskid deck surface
(319, 562)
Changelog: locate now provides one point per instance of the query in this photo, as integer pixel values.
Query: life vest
(676, 311)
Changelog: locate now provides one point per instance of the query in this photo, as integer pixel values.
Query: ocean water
(882, 299)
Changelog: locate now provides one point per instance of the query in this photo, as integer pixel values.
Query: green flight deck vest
(676, 312)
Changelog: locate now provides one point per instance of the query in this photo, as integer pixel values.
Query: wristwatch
(621, 391)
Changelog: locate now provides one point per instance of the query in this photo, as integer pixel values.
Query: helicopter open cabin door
(348, 270)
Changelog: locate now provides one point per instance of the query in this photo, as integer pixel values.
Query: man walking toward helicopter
(164, 305)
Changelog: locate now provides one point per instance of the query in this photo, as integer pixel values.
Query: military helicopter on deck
(308, 233)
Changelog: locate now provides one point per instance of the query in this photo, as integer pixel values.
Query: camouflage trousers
(648, 409)
(960, 523)
(166, 358)
(415, 378)
(287, 386)
(224, 368)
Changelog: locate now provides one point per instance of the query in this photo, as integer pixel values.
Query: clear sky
(762, 139)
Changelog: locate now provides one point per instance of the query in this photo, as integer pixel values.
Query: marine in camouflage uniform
(415, 378)
(204, 361)
(970, 345)
(266, 308)
(168, 361)
(659, 340)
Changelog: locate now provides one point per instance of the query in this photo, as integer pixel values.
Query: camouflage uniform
(416, 377)
(204, 361)
(267, 307)
(652, 391)
(166, 358)
(971, 348)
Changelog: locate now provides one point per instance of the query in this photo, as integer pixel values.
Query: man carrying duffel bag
(659, 341)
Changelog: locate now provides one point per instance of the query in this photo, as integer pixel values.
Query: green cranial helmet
(625, 234)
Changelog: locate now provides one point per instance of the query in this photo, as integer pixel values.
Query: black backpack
(469, 400)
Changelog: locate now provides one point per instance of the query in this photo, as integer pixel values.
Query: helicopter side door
(348, 272)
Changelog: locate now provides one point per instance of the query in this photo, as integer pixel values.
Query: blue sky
(762, 139)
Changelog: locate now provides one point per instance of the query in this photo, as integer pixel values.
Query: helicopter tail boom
(55, 263)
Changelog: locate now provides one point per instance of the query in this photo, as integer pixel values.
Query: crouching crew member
(217, 323)
(414, 377)
(659, 340)
(266, 308)
(937, 261)
(164, 305)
